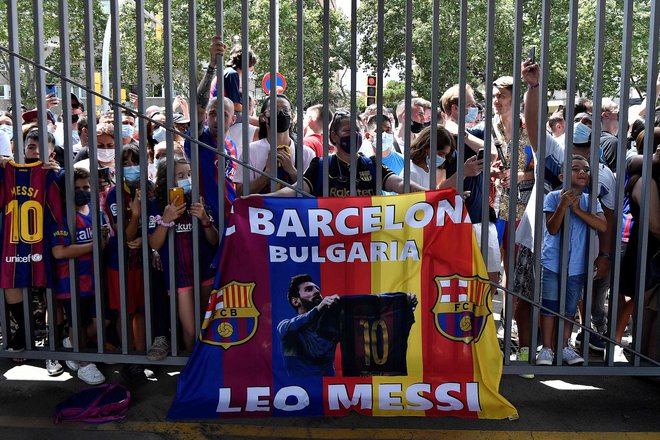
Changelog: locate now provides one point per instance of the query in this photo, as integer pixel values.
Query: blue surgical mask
(388, 142)
(439, 160)
(581, 133)
(127, 131)
(159, 134)
(132, 174)
(186, 184)
(9, 131)
(472, 114)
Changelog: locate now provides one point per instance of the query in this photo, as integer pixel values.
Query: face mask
(157, 161)
(581, 133)
(9, 131)
(105, 154)
(345, 142)
(416, 127)
(186, 184)
(387, 142)
(74, 118)
(132, 174)
(127, 131)
(82, 197)
(472, 114)
(283, 122)
(439, 160)
(75, 137)
(158, 134)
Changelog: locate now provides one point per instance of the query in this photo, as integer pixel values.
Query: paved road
(549, 407)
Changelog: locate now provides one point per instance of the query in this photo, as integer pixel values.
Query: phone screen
(480, 154)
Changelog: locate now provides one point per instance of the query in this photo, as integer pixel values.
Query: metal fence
(639, 364)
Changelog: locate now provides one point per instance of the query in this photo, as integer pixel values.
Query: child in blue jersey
(165, 214)
(576, 201)
(82, 250)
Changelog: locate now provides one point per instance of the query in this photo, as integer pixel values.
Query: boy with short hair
(82, 251)
(556, 203)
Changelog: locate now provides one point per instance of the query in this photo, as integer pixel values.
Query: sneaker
(159, 349)
(523, 356)
(570, 356)
(72, 365)
(545, 356)
(596, 343)
(53, 367)
(133, 372)
(619, 355)
(16, 344)
(90, 375)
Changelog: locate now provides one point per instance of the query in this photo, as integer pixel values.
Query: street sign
(280, 82)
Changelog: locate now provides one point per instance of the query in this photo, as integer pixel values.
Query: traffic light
(371, 89)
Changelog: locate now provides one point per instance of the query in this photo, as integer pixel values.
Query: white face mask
(9, 131)
(105, 154)
(388, 142)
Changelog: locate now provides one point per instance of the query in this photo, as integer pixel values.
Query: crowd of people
(352, 138)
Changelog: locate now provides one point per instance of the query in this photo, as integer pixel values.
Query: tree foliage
(50, 16)
(503, 41)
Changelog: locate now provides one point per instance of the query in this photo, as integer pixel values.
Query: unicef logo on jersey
(24, 259)
(37, 258)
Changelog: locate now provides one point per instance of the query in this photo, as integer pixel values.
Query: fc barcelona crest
(462, 308)
(231, 317)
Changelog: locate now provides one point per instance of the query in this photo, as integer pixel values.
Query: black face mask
(416, 127)
(283, 122)
(345, 143)
(74, 118)
(82, 197)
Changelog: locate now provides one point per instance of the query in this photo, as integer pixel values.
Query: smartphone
(134, 89)
(104, 175)
(51, 89)
(174, 192)
(532, 54)
(480, 154)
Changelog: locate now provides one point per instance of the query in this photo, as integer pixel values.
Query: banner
(379, 305)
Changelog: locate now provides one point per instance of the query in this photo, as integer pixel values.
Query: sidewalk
(592, 406)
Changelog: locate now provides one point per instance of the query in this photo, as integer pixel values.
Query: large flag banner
(379, 305)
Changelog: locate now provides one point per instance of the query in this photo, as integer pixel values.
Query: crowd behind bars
(169, 209)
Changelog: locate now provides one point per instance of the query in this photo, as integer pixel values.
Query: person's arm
(170, 214)
(554, 219)
(471, 168)
(596, 221)
(210, 232)
(395, 184)
(288, 192)
(654, 215)
(636, 163)
(204, 88)
(531, 74)
(72, 251)
(132, 226)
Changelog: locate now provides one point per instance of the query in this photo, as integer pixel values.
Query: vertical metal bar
(144, 166)
(626, 45)
(65, 70)
(353, 170)
(40, 79)
(245, 37)
(379, 96)
(119, 172)
(300, 51)
(514, 151)
(568, 152)
(15, 79)
(539, 176)
(462, 73)
(220, 112)
(408, 99)
(274, 41)
(194, 156)
(642, 251)
(488, 122)
(326, 95)
(435, 60)
(169, 139)
(99, 277)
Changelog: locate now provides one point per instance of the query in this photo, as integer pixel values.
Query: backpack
(99, 404)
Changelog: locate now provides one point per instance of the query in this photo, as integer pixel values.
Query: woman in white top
(420, 156)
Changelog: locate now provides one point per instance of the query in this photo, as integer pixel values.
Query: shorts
(87, 307)
(134, 293)
(550, 289)
(494, 255)
(523, 273)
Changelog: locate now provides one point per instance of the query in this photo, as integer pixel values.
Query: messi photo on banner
(379, 305)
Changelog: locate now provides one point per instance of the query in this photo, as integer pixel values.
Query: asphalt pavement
(549, 407)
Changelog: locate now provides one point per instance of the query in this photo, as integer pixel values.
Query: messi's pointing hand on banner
(328, 301)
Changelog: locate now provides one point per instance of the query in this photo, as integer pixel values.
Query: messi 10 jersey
(31, 206)
(374, 334)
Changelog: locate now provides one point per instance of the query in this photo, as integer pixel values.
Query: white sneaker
(545, 356)
(570, 356)
(53, 367)
(90, 375)
(73, 365)
(619, 356)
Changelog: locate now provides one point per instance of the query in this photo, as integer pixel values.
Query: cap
(33, 114)
(505, 82)
(178, 118)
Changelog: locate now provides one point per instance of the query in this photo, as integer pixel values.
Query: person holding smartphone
(173, 208)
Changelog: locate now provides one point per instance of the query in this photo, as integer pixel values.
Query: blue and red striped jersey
(32, 204)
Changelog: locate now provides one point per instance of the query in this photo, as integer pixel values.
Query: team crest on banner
(461, 309)
(231, 317)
